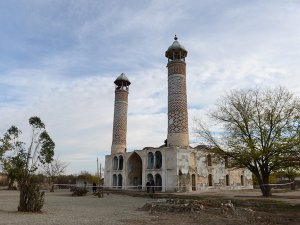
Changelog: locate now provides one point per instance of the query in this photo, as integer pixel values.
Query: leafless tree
(54, 169)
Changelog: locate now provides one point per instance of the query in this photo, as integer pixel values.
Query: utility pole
(98, 175)
(100, 171)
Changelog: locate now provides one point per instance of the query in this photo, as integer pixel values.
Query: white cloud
(68, 55)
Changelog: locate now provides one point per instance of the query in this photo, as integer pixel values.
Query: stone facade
(175, 166)
(174, 170)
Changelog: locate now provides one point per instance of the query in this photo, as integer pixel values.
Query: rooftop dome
(176, 47)
(122, 80)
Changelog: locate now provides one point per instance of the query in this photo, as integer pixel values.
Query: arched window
(120, 181)
(149, 177)
(158, 160)
(227, 180)
(150, 160)
(193, 182)
(120, 162)
(210, 181)
(208, 160)
(115, 163)
(115, 182)
(242, 180)
(158, 182)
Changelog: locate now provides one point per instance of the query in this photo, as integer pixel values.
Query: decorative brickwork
(120, 122)
(177, 104)
(121, 95)
(177, 68)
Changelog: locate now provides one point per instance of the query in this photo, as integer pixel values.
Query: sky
(59, 59)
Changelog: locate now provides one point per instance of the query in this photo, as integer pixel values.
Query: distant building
(174, 166)
(3, 180)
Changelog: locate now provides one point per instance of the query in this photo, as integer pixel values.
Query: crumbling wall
(219, 172)
(183, 165)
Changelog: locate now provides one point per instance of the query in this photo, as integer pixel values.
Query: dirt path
(61, 208)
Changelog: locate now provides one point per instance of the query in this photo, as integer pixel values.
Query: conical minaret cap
(122, 80)
(176, 47)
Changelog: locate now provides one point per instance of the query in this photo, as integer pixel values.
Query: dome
(122, 80)
(176, 47)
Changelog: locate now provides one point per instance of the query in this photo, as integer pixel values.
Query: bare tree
(260, 131)
(54, 169)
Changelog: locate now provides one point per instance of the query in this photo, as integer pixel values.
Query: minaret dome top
(176, 50)
(122, 80)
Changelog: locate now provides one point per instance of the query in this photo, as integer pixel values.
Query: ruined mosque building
(174, 166)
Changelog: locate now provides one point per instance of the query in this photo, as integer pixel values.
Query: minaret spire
(178, 132)
(120, 115)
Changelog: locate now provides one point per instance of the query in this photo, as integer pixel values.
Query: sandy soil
(61, 208)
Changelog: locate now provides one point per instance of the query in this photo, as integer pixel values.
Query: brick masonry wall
(177, 105)
(120, 122)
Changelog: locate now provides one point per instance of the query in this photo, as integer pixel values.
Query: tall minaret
(178, 131)
(120, 115)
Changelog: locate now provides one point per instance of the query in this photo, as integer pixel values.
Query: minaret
(178, 132)
(120, 115)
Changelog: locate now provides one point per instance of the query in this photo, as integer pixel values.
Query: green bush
(31, 198)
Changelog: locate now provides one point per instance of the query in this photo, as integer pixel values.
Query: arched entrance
(120, 181)
(115, 182)
(134, 171)
(158, 182)
(149, 177)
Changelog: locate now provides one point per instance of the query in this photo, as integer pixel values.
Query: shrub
(78, 191)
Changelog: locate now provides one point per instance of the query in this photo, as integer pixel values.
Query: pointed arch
(150, 160)
(121, 162)
(158, 182)
(158, 160)
(115, 163)
(134, 169)
(120, 181)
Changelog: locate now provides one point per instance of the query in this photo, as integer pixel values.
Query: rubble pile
(190, 206)
(174, 205)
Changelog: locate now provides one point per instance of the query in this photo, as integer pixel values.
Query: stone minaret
(120, 115)
(178, 132)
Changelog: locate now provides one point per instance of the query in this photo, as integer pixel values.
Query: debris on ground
(196, 207)
(225, 207)
(174, 205)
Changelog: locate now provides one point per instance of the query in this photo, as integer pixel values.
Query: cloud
(59, 60)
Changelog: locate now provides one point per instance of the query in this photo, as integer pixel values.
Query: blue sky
(59, 60)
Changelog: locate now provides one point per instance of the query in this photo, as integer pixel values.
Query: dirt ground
(164, 209)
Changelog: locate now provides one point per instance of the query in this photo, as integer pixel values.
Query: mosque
(174, 166)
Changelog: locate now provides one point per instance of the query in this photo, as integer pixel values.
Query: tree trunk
(293, 184)
(266, 190)
(265, 186)
(31, 199)
(263, 181)
(23, 201)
